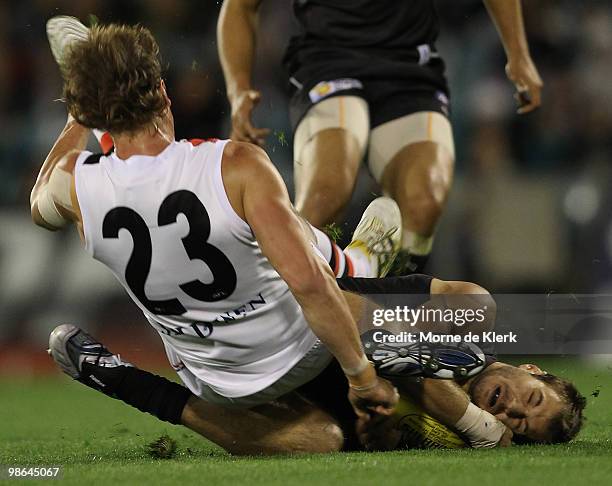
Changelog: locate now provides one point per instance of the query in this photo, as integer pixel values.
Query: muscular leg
(329, 144)
(289, 425)
(416, 171)
(419, 178)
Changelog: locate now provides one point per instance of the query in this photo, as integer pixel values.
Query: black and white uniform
(381, 50)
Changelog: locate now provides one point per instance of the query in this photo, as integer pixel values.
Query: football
(421, 431)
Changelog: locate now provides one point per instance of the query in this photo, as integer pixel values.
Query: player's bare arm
(443, 400)
(508, 18)
(53, 199)
(448, 403)
(258, 193)
(236, 31)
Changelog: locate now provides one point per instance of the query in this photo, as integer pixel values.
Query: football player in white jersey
(204, 239)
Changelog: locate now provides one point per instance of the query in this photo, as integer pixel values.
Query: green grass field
(55, 421)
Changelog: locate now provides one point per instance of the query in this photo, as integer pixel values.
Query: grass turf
(55, 421)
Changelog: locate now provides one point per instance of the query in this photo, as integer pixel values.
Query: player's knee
(333, 438)
(319, 434)
(463, 288)
(419, 179)
(423, 209)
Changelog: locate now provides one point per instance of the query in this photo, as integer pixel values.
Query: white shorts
(385, 141)
(307, 369)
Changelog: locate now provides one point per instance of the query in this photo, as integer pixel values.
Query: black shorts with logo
(394, 84)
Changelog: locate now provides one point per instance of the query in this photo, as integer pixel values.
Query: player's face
(522, 402)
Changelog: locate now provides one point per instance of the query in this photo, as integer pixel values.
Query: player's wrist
(362, 376)
(518, 54)
(236, 92)
(481, 428)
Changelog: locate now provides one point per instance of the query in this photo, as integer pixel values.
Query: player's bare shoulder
(242, 162)
(239, 165)
(247, 169)
(244, 155)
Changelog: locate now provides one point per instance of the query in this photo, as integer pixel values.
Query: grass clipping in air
(333, 231)
(162, 448)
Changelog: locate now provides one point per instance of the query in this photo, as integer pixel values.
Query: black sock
(407, 263)
(143, 390)
(418, 263)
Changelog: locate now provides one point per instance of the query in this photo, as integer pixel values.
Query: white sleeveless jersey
(166, 229)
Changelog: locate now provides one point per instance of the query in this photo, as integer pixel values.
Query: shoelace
(382, 248)
(109, 361)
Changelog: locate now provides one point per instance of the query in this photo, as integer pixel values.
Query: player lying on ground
(535, 406)
(366, 74)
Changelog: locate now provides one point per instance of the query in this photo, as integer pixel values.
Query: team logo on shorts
(326, 88)
(442, 98)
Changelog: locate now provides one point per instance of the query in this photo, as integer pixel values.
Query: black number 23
(195, 243)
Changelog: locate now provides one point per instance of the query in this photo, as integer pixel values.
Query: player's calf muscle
(419, 178)
(310, 436)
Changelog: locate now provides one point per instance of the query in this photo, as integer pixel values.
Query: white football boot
(379, 234)
(63, 31)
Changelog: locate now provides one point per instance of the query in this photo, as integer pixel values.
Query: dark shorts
(392, 87)
(413, 284)
(329, 389)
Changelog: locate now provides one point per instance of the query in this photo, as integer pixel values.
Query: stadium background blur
(530, 210)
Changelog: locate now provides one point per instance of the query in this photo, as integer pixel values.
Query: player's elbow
(37, 215)
(38, 220)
